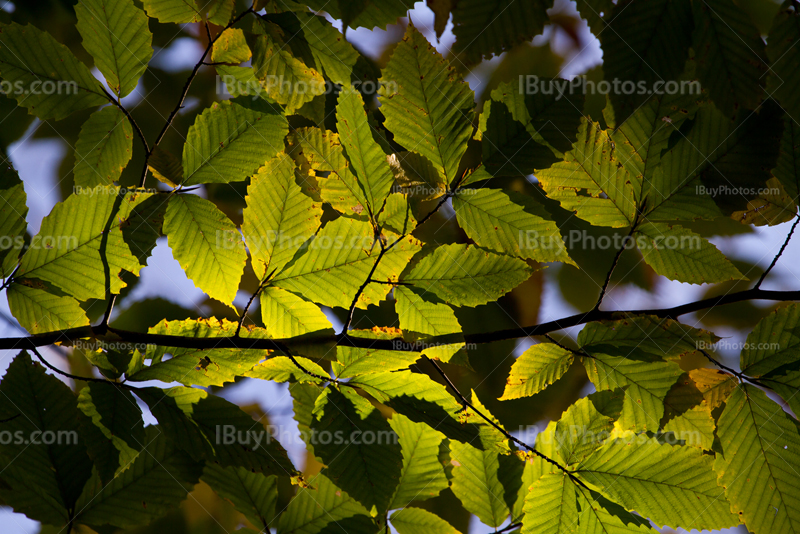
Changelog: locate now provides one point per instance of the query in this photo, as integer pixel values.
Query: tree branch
(399, 344)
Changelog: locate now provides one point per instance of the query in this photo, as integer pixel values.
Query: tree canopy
(374, 236)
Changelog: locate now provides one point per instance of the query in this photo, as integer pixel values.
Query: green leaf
(422, 400)
(509, 223)
(117, 434)
(333, 55)
(787, 386)
(284, 77)
(715, 385)
(206, 244)
(115, 33)
(772, 206)
(485, 28)
(253, 494)
(476, 481)
(322, 151)
(663, 338)
(774, 342)
(441, 11)
(551, 506)
(13, 210)
(52, 82)
(552, 118)
(416, 176)
(535, 369)
(210, 428)
(463, 275)
(242, 81)
(647, 131)
(144, 225)
(285, 315)
(218, 11)
(173, 10)
(586, 425)
(209, 367)
(647, 382)
(367, 463)
(231, 47)
(645, 43)
(532, 469)
(366, 14)
(159, 479)
(40, 311)
(338, 260)
(304, 398)
(81, 254)
(592, 182)
(166, 167)
(397, 215)
(787, 168)
(668, 484)
(353, 362)
(555, 504)
(757, 465)
(40, 480)
(282, 369)
(172, 409)
(366, 156)
(427, 107)
(104, 148)
(508, 147)
(228, 142)
(278, 218)
(419, 521)
(680, 254)
(730, 53)
(220, 420)
(715, 168)
(422, 476)
(324, 508)
(420, 319)
(489, 434)
(695, 426)
(785, 60)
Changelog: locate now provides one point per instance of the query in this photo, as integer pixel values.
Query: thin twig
(10, 277)
(250, 303)
(467, 404)
(780, 253)
(509, 528)
(127, 114)
(76, 377)
(185, 92)
(109, 309)
(741, 376)
(614, 266)
(361, 289)
(384, 250)
(577, 352)
(315, 375)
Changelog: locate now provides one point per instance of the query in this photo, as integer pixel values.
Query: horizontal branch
(346, 339)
